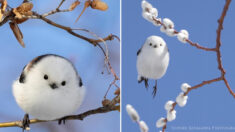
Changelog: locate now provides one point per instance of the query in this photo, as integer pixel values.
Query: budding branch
(218, 53)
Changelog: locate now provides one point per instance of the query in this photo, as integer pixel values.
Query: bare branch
(60, 4)
(104, 109)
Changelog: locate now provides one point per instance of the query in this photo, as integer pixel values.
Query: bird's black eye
(160, 44)
(155, 46)
(150, 44)
(45, 77)
(63, 83)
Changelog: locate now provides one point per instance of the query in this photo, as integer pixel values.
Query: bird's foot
(25, 123)
(62, 120)
(155, 89)
(146, 83)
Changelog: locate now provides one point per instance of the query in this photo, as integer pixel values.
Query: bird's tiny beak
(53, 86)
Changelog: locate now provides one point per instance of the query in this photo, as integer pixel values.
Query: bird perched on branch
(48, 88)
(152, 60)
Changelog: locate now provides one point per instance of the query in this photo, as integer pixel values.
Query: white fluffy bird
(152, 60)
(48, 88)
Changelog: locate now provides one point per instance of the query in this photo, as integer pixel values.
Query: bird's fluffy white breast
(152, 62)
(48, 105)
(152, 66)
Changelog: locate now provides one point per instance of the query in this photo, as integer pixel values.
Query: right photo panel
(178, 66)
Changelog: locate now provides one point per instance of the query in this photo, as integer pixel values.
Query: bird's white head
(156, 44)
(51, 72)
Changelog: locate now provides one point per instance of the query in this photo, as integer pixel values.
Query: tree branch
(109, 106)
(104, 109)
(218, 53)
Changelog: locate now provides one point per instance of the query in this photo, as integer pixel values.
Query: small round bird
(152, 60)
(48, 88)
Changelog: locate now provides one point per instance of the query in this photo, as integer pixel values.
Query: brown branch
(199, 46)
(62, 1)
(218, 45)
(70, 30)
(104, 109)
(219, 60)
(109, 66)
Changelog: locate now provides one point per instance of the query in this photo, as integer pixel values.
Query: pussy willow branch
(105, 109)
(218, 53)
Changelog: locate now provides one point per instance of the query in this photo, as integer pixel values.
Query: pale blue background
(41, 38)
(210, 105)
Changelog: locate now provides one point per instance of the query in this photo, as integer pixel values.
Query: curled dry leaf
(19, 21)
(117, 92)
(117, 108)
(3, 8)
(99, 5)
(74, 5)
(23, 9)
(18, 34)
(86, 4)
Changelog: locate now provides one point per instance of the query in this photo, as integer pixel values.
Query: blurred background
(41, 38)
(208, 106)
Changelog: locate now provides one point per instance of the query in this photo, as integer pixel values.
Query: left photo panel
(60, 66)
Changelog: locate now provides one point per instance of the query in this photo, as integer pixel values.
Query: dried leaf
(74, 5)
(3, 8)
(18, 34)
(99, 5)
(18, 15)
(87, 4)
(23, 9)
(19, 21)
(117, 92)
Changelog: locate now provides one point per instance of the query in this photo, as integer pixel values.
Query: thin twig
(105, 52)
(62, 1)
(55, 11)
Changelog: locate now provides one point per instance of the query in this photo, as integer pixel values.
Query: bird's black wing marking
(80, 82)
(141, 79)
(138, 52)
(22, 76)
